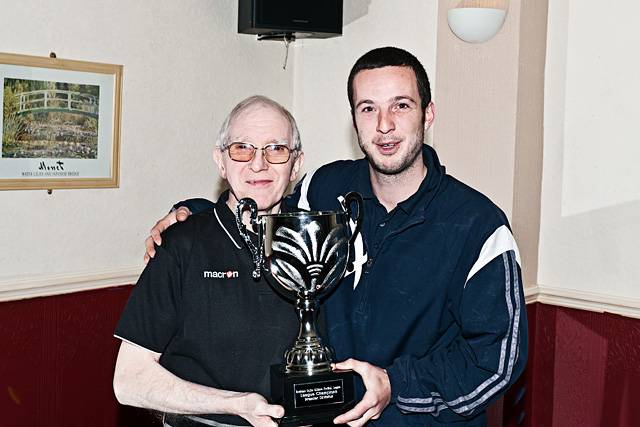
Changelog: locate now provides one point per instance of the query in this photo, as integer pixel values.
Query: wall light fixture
(476, 21)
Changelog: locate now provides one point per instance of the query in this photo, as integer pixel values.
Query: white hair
(223, 135)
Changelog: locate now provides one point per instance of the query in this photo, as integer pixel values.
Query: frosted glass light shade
(475, 24)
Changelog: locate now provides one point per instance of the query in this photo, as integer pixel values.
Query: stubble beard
(408, 159)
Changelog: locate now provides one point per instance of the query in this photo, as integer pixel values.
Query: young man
(433, 317)
(197, 325)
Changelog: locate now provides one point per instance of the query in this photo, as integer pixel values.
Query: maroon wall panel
(57, 361)
(585, 369)
(58, 354)
(541, 366)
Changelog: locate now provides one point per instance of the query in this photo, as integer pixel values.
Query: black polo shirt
(197, 304)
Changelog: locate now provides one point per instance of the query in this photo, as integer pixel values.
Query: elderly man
(433, 318)
(198, 333)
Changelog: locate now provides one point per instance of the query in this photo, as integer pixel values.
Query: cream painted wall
(489, 117)
(590, 219)
(478, 99)
(322, 67)
(185, 66)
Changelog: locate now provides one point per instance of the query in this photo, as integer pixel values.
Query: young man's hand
(376, 398)
(180, 214)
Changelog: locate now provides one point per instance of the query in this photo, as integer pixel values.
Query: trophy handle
(256, 252)
(349, 198)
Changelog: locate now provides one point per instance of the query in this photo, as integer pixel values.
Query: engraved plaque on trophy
(306, 253)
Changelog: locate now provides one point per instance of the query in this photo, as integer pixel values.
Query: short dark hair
(391, 57)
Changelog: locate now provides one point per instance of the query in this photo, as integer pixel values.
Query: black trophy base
(314, 399)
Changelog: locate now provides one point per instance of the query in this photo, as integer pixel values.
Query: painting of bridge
(48, 119)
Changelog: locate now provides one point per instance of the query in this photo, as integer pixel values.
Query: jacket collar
(417, 202)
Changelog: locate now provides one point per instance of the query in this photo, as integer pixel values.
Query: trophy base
(312, 399)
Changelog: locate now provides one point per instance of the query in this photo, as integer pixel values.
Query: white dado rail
(581, 300)
(22, 288)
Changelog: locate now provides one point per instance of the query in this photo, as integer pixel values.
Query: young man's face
(389, 118)
(264, 182)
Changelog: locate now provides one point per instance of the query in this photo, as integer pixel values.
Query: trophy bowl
(306, 254)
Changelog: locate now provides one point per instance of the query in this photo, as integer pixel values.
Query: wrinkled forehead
(260, 123)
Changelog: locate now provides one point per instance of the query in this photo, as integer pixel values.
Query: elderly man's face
(264, 182)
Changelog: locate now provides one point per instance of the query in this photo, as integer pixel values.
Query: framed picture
(60, 123)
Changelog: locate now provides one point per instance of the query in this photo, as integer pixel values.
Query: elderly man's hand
(259, 412)
(180, 214)
(375, 399)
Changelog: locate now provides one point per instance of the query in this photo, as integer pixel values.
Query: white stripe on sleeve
(303, 203)
(499, 242)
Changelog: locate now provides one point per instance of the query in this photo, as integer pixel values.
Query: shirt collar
(231, 215)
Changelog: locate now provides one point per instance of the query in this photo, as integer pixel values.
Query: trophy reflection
(307, 254)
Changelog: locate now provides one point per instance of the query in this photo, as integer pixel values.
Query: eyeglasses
(244, 152)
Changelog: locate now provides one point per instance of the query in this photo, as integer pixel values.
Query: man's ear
(217, 157)
(429, 115)
(297, 164)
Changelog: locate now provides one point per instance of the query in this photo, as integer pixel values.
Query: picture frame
(60, 123)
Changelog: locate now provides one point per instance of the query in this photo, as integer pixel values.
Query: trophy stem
(308, 355)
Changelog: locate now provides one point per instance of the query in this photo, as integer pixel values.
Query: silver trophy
(306, 253)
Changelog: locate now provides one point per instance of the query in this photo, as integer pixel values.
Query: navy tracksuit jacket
(436, 297)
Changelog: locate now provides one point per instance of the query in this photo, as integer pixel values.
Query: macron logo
(221, 274)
